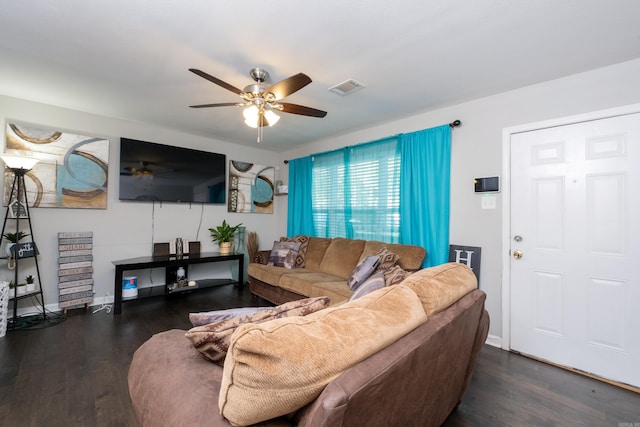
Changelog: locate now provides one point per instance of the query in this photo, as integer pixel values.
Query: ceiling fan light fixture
(272, 118)
(252, 116)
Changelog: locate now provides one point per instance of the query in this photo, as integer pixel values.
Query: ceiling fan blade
(288, 86)
(223, 104)
(301, 110)
(216, 81)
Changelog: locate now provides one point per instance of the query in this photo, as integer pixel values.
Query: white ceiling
(129, 58)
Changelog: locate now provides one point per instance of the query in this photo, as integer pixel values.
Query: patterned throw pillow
(284, 254)
(387, 259)
(206, 317)
(375, 282)
(213, 340)
(363, 270)
(302, 252)
(395, 275)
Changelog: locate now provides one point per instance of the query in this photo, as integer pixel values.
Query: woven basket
(4, 307)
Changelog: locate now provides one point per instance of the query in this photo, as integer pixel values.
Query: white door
(575, 246)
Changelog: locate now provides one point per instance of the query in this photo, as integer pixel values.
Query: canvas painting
(72, 171)
(251, 187)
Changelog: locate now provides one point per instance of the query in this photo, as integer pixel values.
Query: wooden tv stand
(171, 262)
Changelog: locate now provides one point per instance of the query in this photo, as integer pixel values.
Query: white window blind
(355, 192)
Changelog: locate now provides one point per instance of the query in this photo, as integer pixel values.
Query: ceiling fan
(260, 101)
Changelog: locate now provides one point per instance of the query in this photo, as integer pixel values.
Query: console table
(171, 263)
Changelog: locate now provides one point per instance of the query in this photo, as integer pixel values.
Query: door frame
(506, 196)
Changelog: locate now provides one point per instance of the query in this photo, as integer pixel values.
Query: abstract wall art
(72, 170)
(251, 187)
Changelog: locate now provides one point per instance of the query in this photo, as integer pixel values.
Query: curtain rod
(453, 124)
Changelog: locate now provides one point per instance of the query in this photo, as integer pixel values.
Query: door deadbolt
(517, 239)
(517, 254)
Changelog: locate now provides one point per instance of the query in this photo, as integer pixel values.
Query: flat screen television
(164, 173)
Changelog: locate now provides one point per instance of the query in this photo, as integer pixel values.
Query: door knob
(517, 254)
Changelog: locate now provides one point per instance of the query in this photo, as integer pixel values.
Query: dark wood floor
(75, 374)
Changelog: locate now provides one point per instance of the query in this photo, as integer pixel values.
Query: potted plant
(21, 288)
(31, 286)
(223, 236)
(13, 238)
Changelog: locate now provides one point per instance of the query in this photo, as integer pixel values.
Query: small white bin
(130, 287)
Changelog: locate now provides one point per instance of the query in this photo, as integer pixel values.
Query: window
(355, 192)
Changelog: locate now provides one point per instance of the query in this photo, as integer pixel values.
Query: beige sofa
(399, 356)
(326, 266)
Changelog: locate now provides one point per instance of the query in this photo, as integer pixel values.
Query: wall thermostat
(487, 185)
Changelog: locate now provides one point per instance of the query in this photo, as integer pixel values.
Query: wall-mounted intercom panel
(487, 185)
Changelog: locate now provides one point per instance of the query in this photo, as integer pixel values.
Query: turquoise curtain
(299, 211)
(425, 191)
(394, 190)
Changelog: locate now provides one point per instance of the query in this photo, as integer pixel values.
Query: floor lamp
(17, 209)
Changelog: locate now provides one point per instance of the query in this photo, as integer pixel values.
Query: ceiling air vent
(346, 87)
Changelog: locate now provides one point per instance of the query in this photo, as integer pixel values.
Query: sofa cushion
(338, 291)
(303, 282)
(212, 340)
(302, 252)
(206, 317)
(315, 252)
(284, 254)
(439, 287)
(341, 257)
(363, 270)
(270, 274)
(276, 367)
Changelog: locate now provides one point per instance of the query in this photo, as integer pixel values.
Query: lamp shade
(18, 162)
(272, 118)
(252, 116)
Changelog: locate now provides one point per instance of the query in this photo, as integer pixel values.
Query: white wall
(477, 151)
(126, 229)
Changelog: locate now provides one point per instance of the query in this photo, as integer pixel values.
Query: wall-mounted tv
(156, 172)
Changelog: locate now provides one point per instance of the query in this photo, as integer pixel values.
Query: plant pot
(22, 290)
(225, 248)
(8, 249)
(31, 287)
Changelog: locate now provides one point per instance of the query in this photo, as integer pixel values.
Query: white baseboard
(54, 308)
(494, 341)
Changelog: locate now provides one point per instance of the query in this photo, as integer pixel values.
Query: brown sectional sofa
(327, 266)
(417, 379)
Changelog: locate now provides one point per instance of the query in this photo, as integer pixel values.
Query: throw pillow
(376, 281)
(206, 317)
(395, 275)
(284, 254)
(387, 259)
(302, 252)
(363, 270)
(213, 340)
